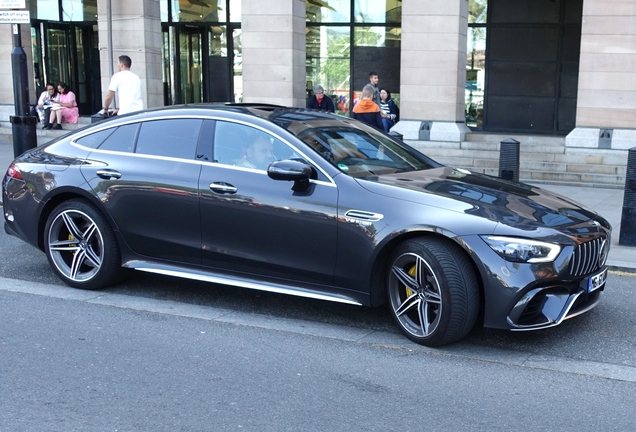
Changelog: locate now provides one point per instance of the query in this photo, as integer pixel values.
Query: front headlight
(523, 250)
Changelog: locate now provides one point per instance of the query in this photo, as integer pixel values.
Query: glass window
(79, 10)
(475, 76)
(239, 145)
(235, 10)
(238, 65)
(217, 41)
(363, 151)
(45, 10)
(163, 7)
(175, 138)
(328, 63)
(477, 11)
(378, 36)
(95, 139)
(199, 11)
(122, 140)
(378, 11)
(327, 11)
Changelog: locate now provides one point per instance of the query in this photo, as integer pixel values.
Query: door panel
(219, 82)
(266, 228)
(522, 79)
(527, 114)
(532, 65)
(157, 217)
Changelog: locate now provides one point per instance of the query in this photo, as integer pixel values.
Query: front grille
(589, 257)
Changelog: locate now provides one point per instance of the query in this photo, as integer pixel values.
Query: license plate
(596, 281)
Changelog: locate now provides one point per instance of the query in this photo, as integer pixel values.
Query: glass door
(58, 51)
(71, 55)
(201, 64)
(190, 64)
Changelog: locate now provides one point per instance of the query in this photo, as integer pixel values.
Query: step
(523, 139)
(574, 177)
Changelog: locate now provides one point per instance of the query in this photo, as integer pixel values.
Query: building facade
(552, 67)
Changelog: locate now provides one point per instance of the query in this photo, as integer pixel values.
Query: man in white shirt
(127, 86)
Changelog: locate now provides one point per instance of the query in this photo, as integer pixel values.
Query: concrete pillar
(273, 35)
(433, 69)
(136, 32)
(606, 102)
(6, 73)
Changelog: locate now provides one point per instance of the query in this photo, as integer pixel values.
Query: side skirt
(242, 282)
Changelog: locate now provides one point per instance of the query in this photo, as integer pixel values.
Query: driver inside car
(258, 155)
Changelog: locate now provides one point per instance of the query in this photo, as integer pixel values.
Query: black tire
(81, 246)
(433, 291)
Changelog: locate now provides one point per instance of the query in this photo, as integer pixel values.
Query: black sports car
(310, 204)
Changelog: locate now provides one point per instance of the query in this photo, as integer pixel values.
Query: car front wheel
(432, 291)
(81, 246)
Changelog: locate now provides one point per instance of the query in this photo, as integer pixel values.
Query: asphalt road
(158, 353)
(74, 365)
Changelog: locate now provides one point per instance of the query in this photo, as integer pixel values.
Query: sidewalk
(607, 202)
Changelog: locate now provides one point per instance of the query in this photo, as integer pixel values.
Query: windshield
(363, 153)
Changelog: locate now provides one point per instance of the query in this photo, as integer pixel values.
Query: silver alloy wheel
(76, 245)
(416, 296)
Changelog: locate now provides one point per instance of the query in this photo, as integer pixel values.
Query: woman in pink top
(65, 109)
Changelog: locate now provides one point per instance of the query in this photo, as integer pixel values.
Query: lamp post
(23, 125)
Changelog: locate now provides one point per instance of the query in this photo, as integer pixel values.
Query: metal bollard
(397, 135)
(628, 217)
(425, 131)
(509, 160)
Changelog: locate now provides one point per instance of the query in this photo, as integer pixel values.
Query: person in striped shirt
(389, 110)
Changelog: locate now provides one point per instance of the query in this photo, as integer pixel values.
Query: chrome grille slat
(588, 256)
(585, 258)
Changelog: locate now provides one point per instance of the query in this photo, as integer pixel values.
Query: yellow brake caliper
(409, 291)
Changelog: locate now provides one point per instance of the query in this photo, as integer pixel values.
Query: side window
(248, 147)
(123, 139)
(175, 138)
(95, 139)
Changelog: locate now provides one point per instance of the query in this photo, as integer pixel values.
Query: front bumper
(548, 307)
(523, 296)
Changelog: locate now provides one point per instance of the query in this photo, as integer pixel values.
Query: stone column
(136, 32)
(273, 51)
(433, 69)
(606, 103)
(6, 71)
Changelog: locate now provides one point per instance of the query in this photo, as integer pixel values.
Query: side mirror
(294, 170)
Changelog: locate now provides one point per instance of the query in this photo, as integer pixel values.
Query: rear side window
(175, 138)
(95, 139)
(122, 140)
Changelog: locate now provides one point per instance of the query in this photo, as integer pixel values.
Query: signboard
(12, 4)
(15, 17)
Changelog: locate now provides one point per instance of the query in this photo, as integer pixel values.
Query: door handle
(108, 174)
(222, 188)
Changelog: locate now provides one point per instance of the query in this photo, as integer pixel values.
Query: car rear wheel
(433, 291)
(81, 246)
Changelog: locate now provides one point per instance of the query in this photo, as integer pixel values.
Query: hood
(510, 203)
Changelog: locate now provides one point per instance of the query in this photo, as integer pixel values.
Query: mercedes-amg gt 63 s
(310, 204)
